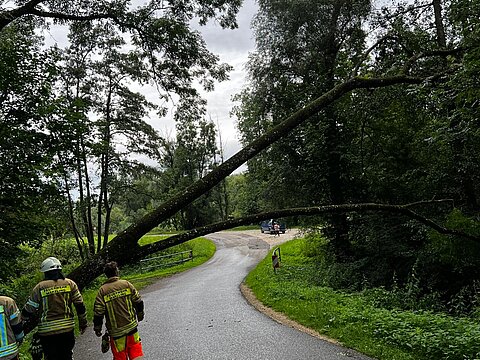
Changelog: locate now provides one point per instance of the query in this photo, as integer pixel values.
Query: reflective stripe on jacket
(116, 300)
(53, 301)
(9, 317)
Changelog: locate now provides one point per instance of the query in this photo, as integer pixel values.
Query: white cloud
(233, 47)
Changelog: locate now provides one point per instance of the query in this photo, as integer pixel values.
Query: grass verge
(354, 319)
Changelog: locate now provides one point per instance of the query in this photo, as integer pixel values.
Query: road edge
(279, 317)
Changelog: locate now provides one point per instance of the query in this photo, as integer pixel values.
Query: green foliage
(430, 336)
(450, 265)
(409, 296)
(367, 321)
(300, 53)
(30, 203)
(244, 199)
(439, 273)
(27, 266)
(185, 159)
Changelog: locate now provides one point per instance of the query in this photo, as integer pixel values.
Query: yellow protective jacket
(10, 328)
(52, 301)
(119, 302)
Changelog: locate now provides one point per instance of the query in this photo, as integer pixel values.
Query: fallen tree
(140, 252)
(124, 247)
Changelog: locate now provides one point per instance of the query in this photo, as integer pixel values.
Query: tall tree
(111, 126)
(409, 146)
(166, 52)
(190, 157)
(29, 199)
(303, 49)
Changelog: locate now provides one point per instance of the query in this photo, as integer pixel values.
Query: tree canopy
(392, 145)
(345, 105)
(71, 112)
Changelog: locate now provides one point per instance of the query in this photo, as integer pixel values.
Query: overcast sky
(233, 47)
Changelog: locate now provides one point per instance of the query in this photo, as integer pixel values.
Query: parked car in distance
(267, 226)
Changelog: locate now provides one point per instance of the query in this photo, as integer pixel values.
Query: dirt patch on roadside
(273, 240)
(279, 317)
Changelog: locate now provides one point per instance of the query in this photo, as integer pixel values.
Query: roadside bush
(28, 268)
(403, 299)
(325, 271)
(314, 244)
(65, 250)
(420, 268)
(431, 336)
(451, 265)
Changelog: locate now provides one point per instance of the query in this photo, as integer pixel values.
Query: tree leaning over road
(124, 248)
(148, 34)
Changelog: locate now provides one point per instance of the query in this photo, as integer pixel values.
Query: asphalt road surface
(201, 314)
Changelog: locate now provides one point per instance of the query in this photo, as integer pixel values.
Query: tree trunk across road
(201, 313)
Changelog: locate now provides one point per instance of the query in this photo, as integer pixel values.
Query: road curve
(201, 314)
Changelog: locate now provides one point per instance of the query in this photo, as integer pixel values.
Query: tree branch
(309, 211)
(8, 16)
(72, 17)
(409, 9)
(433, 53)
(29, 8)
(430, 202)
(368, 51)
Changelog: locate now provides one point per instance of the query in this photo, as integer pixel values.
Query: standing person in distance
(276, 227)
(11, 329)
(120, 303)
(51, 302)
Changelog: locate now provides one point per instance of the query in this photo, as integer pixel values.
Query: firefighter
(11, 329)
(50, 306)
(120, 303)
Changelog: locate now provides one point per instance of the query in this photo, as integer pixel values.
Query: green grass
(354, 320)
(151, 238)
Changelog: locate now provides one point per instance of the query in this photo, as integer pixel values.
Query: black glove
(140, 316)
(105, 343)
(82, 323)
(98, 331)
(28, 325)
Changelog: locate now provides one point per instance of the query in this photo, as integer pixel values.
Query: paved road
(201, 314)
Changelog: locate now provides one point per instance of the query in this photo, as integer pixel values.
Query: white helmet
(50, 263)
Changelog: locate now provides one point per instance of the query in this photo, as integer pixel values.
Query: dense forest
(393, 145)
(359, 123)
